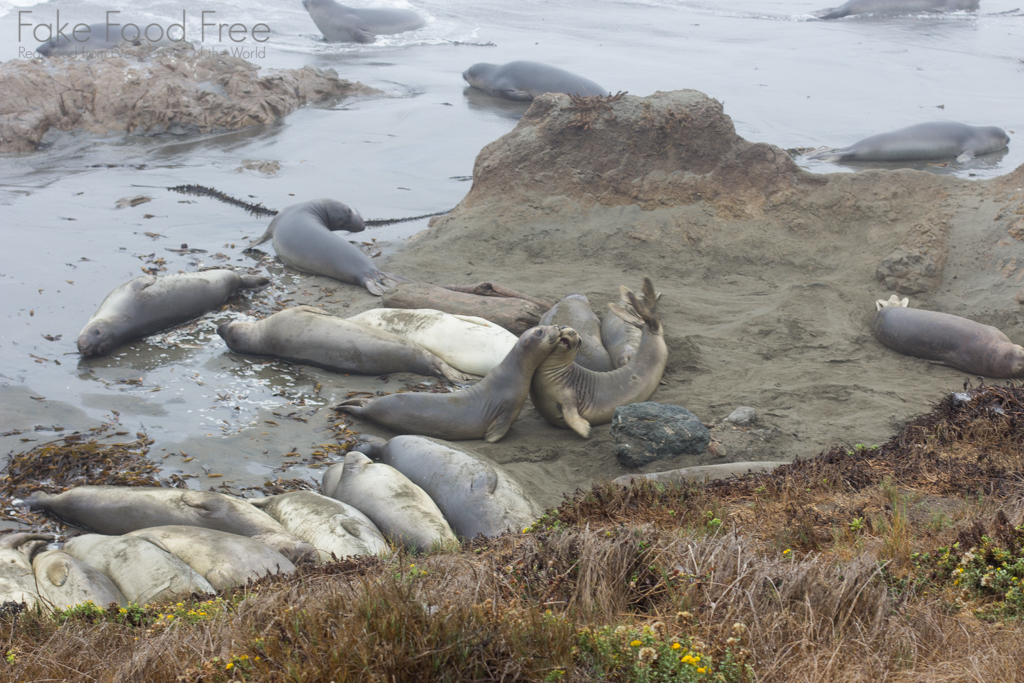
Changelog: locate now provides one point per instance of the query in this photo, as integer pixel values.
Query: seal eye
(538, 333)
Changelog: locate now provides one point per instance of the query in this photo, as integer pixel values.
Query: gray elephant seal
(310, 336)
(400, 509)
(702, 473)
(17, 583)
(574, 311)
(341, 24)
(958, 342)
(524, 81)
(121, 509)
(304, 238)
(934, 140)
(148, 304)
(483, 411)
(143, 572)
(223, 559)
(64, 581)
(334, 528)
(102, 37)
(474, 493)
(570, 396)
(896, 7)
(619, 337)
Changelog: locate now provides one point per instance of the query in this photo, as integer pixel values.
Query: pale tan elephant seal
(483, 411)
(64, 581)
(310, 336)
(399, 508)
(143, 572)
(17, 582)
(223, 559)
(568, 395)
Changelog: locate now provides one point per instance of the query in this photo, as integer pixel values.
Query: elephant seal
(17, 582)
(702, 473)
(523, 81)
(104, 37)
(569, 395)
(64, 581)
(934, 140)
(341, 24)
(400, 509)
(143, 572)
(896, 6)
(958, 342)
(620, 338)
(334, 528)
(485, 410)
(304, 238)
(310, 336)
(121, 509)
(574, 311)
(223, 559)
(474, 493)
(467, 343)
(148, 304)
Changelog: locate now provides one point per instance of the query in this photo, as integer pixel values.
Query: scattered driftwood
(509, 310)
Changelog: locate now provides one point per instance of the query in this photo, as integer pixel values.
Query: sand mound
(768, 273)
(142, 92)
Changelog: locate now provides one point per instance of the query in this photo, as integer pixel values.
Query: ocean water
(784, 78)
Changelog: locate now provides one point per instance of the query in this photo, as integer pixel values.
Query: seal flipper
(965, 156)
(354, 406)
(57, 573)
(572, 417)
(260, 502)
(208, 505)
(267, 234)
(517, 95)
(361, 35)
(499, 427)
(253, 281)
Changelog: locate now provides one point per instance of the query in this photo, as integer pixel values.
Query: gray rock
(645, 432)
(744, 416)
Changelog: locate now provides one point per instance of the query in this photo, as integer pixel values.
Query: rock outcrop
(148, 92)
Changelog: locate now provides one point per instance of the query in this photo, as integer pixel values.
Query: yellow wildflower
(635, 643)
(702, 670)
(787, 551)
(676, 646)
(230, 664)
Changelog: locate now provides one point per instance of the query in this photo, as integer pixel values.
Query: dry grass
(808, 573)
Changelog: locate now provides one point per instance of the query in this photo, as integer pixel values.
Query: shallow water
(784, 78)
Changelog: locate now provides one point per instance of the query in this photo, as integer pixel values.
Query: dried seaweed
(589, 109)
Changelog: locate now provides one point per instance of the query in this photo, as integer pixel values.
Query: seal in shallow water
(309, 335)
(304, 238)
(934, 140)
(483, 411)
(148, 304)
(341, 24)
(958, 342)
(568, 395)
(101, 37)
(896, 6)
(524, 81)
(574, 311)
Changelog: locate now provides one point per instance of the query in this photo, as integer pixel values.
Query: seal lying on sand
(102, 37)
(310, 336)
(483, 411)
(958, 342)
(223, 559)
(524, 81)
(896, 6)
(399, 508)
(467, 343)
(701, 473)
(330, 526)
(148, 304)
(341, 24)
(934, 140)
(17, 583)
(64, 581)
(574, 311)
(304, 238)
(143, 572)
(120, 509)
(568, 395)
(475, 495)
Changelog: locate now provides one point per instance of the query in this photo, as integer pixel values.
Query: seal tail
(354, 406)
(451, 374)
(644, 308)
(375, 285)
(268, 234)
